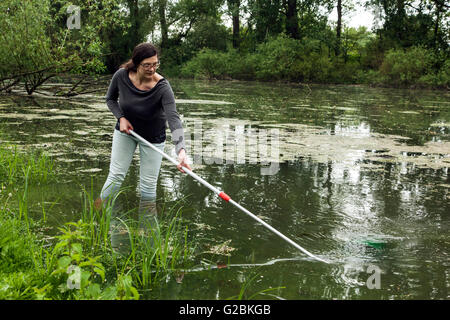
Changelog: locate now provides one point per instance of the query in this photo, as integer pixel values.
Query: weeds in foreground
(80, 262)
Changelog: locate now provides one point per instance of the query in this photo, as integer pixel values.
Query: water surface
(361, 180)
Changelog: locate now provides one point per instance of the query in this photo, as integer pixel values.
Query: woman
(141, 100)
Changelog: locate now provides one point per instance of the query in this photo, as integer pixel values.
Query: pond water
(356, 175)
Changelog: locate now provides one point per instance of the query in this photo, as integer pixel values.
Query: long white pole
(225, 197)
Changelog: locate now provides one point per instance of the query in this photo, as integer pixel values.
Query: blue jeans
(123, 148)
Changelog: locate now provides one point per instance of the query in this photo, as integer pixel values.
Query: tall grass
(14, 165)
(98, 221)
(34, 267)
(162, 249)
(157, 248)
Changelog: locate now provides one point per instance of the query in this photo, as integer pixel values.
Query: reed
(98, 221)
(157, 250)
(162, 250)
(14, 165)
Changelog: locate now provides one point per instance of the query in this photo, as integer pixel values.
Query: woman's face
(148, 66)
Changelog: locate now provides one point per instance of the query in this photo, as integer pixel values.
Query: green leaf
(60, 244)
(93, 291)
(85, 275)
(64, 262)
(109, 293)
(101, 272)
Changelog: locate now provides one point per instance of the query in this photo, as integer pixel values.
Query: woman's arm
(111, 101)
(112, 96)
(173, 118)
(175, 125)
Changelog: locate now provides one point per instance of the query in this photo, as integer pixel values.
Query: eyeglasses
(150, 65)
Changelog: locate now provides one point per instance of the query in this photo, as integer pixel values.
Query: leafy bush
(241, 66)
(341, 72)
(280, 58)
(406, 67)
(370, 77)
(284, 58)
(438, 79)
(207, 63)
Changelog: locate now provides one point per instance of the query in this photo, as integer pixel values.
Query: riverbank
(307, 62)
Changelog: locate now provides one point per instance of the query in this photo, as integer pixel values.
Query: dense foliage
(291, 40)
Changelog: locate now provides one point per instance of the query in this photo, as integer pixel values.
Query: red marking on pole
(224, 196)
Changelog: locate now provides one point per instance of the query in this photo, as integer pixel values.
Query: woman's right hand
(125, 125)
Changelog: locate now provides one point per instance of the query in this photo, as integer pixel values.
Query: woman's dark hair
(141, 51)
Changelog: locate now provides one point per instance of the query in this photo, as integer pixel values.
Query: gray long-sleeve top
(147, 110)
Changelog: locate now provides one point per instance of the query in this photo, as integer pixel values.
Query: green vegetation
(37, 44)
(266, 40)
(309, 61)
(79, 262)
(414, 65)
(13, 166)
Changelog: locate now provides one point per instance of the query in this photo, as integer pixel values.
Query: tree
(187, 26)
(313, 21)
(234, 10)
(342, 7)
(353, 43)
(265, 18)
(164, 27)
(409, 23)
(440, 31)
(37, 44)
(138, 20)
(291, 18)
(338, 26)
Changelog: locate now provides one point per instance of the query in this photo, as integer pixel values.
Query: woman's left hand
(182, 161)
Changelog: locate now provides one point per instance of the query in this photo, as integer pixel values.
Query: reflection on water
(363, 181)
(124, 223)
(119, 231)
